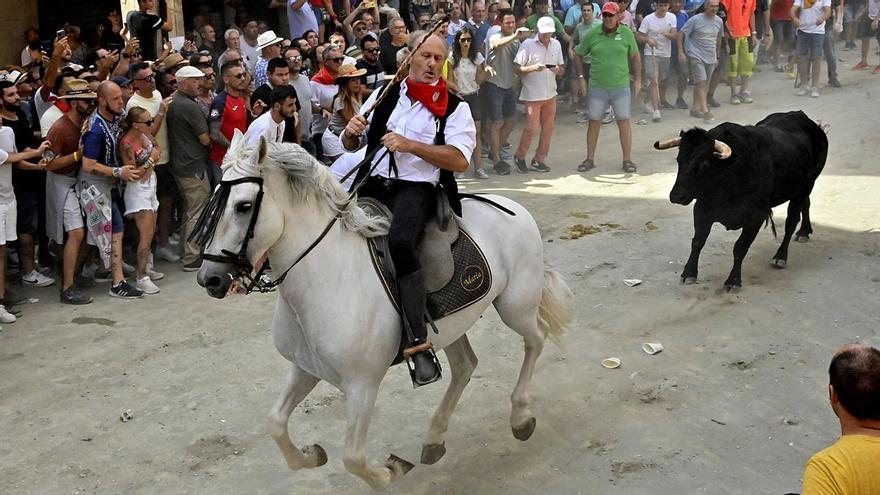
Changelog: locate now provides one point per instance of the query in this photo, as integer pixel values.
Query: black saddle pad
(470, 281)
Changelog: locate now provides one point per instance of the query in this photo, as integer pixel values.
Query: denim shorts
(810, 45)
(498, 104)
(619, 99)
(476, 106)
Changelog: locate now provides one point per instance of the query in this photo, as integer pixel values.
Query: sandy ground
(735, 404)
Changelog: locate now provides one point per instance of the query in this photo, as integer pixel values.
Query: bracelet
(75, 159)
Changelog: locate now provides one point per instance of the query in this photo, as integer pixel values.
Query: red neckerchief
(435, 97)
(323, 77)
(62, 105)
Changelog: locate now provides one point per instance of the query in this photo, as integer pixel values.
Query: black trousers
(411, 204)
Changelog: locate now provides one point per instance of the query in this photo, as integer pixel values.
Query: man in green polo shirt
(542, 9)
(612, 47)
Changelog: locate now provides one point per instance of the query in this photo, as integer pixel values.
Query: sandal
(629, 167)
(586, 165)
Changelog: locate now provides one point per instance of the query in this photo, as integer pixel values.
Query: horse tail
(554, 311)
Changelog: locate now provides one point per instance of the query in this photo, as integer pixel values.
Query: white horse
(333, 320)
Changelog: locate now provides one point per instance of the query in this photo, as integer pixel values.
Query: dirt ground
(736, 403)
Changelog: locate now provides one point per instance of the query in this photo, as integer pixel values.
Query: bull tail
(769, 220)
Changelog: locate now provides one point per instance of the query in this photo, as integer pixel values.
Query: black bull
(738, 173)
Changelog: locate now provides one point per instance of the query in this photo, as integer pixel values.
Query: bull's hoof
(779, 263)
(398, 466)
(433, 453)
(318, 452)
(524, 432)
(688, 280)
(802, 238)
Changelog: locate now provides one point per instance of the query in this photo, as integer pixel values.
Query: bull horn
(669, 143)
(722, 150)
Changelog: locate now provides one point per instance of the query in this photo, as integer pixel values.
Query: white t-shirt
(873, 9)
(466, 74)
(48, 118)
(152, 105)
(654, 26)
(809, 16)
(455, 27)
(301, 20)
(265, 126)
(322, 96)
(539, 85)
(250, 53)
(7, 147)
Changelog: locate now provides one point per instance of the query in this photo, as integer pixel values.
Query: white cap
(546, 25)
(188, 72)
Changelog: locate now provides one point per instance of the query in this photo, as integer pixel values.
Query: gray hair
(229, 32)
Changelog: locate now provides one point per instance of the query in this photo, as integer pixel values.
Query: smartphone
(60, 34)
(549, 66)
(370, 5)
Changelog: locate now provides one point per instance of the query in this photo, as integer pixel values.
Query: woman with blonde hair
(138, 147)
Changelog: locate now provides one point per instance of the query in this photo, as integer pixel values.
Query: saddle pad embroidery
(470, 282)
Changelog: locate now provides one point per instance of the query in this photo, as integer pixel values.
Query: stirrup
(432, 361)
(409, 351)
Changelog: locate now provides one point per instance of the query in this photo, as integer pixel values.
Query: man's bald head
(427, 63)
(855, 380)
(110, 98)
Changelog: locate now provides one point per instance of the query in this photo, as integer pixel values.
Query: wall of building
(15, 17)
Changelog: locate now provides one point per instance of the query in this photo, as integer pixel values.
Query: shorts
(498, 104)
(850, 10)
(8, 216)
(165, 185)
(72, 217)
(473, 101)
(810, 45)
(599, 99)
(28, 212)
(864, 28)
(116, 207)
(141, 196)
(783, 32)
(741, 61)
(662, 66)
(700, 71)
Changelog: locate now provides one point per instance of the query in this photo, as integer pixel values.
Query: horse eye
(244, 207)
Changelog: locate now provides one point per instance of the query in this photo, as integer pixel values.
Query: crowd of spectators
(111, 141)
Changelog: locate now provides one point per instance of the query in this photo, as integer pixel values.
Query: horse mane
(310, 179)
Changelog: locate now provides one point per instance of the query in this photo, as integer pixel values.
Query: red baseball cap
(611, 8)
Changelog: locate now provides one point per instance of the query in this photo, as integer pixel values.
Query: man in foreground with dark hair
(850, 466)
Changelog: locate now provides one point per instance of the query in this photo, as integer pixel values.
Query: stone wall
(15, 17)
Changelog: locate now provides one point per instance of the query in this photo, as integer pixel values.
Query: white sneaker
(166, 254)
(6, 316)
(154, 275)
(649, 108)
(803, 90)
(656, 116)
(814, 93)
(37, 279)
(146, 285)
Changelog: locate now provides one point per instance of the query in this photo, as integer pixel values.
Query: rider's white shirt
(414, 121)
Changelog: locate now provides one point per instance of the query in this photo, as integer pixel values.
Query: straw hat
(78, 89)
(348, 71)
(268, 38)
(174, 61)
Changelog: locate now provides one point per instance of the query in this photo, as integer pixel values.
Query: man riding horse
(428, 136)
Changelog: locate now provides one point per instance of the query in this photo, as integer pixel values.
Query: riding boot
(423, 365)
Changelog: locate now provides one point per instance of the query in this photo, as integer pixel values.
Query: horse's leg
(360, 399)
(524, 322)
(299, 384)
(462, 362)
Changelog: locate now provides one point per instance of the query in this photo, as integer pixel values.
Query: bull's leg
(360, 398)
(795, 206)
(299, 384)
(740, 249)
(803, 234)
(702, 227)
(462, 362)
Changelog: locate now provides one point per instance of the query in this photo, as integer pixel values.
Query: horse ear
(263, 151)
(237, 138)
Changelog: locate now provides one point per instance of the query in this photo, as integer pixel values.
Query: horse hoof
(733, 289)
(318, 452)
(525, 431)
(778, 263)
(688, 280)
(802, 238)
(433, 453)
(398, 466)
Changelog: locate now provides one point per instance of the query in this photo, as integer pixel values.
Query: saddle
(456, 272)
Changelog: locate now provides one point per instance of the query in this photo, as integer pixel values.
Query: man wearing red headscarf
(428, 135)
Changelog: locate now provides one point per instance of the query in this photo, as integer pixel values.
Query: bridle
(206, 225)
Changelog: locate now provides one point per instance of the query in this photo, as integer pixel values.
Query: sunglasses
(465, 40)
(360, 28)
(338, 60)
(210, 76)
(148, 122)
(606, 14)
(371, 50)
(295, 58)
(240, 75)
(149, 78)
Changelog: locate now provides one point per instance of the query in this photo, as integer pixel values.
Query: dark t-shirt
(388, 56)
(186, 122)
(64, 136)
(375, 76)
(24, 180)
(143, 27)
